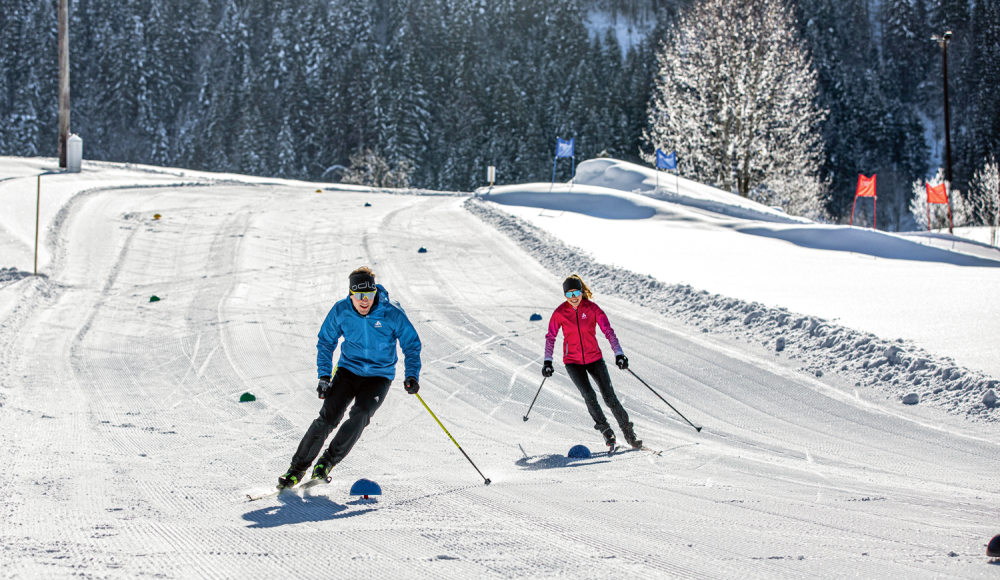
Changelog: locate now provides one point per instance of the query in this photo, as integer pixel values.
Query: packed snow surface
(127, 454)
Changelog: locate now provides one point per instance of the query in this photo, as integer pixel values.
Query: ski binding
(306, 485)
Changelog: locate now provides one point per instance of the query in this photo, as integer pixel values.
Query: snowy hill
(128, 453)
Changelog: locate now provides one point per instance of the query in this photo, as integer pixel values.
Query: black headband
(572, 284)
(362, 282)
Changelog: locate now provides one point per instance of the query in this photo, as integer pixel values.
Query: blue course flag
(664, 161)
(564, 148)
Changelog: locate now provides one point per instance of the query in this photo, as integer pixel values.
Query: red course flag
(936, 194)
(866, 188)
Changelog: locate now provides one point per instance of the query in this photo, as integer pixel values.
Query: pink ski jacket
(579, 337)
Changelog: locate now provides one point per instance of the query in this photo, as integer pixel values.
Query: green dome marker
(154, 298)
(247, 397)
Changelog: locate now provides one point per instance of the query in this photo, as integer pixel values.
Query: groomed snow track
(127, 454)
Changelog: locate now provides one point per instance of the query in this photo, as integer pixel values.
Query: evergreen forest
(441, 89)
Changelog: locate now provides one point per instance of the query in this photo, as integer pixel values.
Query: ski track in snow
(127, 453)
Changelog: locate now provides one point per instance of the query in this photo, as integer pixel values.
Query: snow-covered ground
(936, 290)
(127, 453)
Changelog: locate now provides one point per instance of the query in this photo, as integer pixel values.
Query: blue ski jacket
(369, 348)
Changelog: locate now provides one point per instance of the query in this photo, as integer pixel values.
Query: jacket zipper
(583, 354)
(366, 339)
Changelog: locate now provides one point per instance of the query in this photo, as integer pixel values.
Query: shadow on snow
(868, 242)
(297, 509)
(558, 461)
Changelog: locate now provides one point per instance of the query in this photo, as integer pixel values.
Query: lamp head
(942, 39)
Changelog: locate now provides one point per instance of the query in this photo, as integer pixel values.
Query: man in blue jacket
(370, 324)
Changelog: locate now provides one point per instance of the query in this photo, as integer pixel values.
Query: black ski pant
(598, 370)
(367, 394)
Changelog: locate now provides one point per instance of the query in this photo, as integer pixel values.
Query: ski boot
(291, 478)
(609, 440)
(630, 437)
(322, 468)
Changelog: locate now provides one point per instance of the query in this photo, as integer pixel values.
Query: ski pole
(535, 399)
(698, 429)
(452, 438)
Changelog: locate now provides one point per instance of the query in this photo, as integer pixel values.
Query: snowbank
(594, 201)
(625, 176)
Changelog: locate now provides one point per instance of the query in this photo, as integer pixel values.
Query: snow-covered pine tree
(403, 136)
(285, 154)
(251, 151)
(962, 210)
(29, 75)
(738, 103)
(612, 98)
(430, 61)
(567, 83)
(224, 91)
(160, 142)
(371, 169)
(637, 84)
(581, 117)
(907, 52)
(839, 36)
(144, 76)
(324, 120)
(979, 135)
(360, 105)
(986, 196)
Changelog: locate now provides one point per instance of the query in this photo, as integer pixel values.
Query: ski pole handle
(535, 399)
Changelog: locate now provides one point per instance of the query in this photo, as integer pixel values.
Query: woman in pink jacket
(578, 318)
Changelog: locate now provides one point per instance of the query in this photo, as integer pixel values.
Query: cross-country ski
(274, 492)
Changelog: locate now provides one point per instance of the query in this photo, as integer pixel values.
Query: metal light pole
(943, 42)
(63, 79)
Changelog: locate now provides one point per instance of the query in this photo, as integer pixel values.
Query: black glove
(547, 368)
(622, 361)
(411, 385)
(324, 384)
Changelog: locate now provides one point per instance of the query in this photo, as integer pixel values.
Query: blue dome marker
(579, 452)
(365, 487)
(535, 316)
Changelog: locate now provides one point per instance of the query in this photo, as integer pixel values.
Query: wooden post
(38, 210)
(63, 79)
